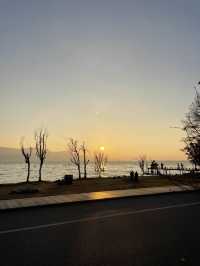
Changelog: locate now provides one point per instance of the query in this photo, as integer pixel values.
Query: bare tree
(191, 126)
(74, 152)
(41, 137)
(100, 161)
(27, 155)
(142, 163)
(85, 160)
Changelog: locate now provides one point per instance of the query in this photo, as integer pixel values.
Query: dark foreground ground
(152, 230)
(92, 184)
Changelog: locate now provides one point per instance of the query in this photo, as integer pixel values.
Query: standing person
(152, 166)
(136, 176)
(162, 168)
(156, 167)
(165, 170)
(131, 175)
(182, 168)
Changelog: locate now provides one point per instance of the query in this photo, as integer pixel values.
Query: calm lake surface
(16, 172)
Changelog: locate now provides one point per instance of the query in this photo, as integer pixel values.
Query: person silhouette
(136, 176)
(131, 175)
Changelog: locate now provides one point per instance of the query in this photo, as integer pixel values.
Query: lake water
(16, 172)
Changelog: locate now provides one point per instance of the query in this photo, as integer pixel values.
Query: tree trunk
(99, 173)
(40, 172)
(85, 166)
(79, 172)
(85, 172)
(28, 175)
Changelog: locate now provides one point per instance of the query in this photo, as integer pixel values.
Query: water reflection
(16, 172)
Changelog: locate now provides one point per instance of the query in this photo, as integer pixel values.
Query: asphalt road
(153, 230)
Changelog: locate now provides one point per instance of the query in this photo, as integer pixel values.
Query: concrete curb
(89, 197)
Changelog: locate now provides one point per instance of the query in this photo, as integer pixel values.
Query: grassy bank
(46, 188)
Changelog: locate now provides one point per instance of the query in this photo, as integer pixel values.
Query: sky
(113, 73)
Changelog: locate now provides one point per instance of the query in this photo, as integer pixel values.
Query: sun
(102, 148)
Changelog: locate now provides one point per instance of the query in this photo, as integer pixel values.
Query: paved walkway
(91, 196)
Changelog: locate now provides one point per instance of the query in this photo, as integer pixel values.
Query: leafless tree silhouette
(142, 163)
(100, 161)
(27, 155)
(74, 152)
(191, 126)
(41, 137)
(85, 160)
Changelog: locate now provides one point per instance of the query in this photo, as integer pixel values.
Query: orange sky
(117, 74)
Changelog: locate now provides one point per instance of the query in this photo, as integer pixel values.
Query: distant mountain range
(14, 155)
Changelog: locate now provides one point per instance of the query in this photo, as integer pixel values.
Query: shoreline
(14, 173)
(52, 188)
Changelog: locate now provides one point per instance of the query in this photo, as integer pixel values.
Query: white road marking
(88, 219)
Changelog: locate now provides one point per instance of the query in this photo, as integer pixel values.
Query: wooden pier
(171, 170)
